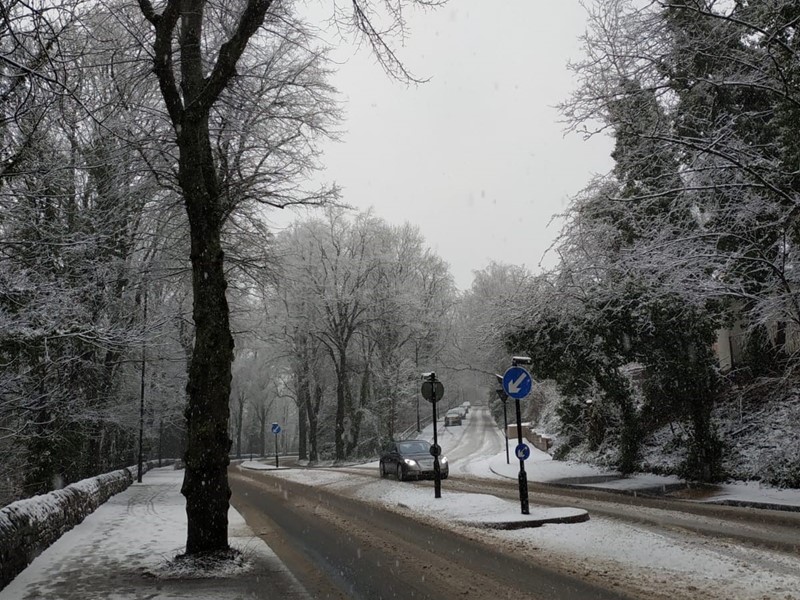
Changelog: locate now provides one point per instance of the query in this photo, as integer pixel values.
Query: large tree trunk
(262, 432)
(205, 484)
(313, 423)
(239, 426)
(303, 400)
(341, 403)
(358, 417)
(302, 427)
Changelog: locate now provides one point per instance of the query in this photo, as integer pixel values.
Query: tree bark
(358, 417)
(189, 103)
(341, 403)
(301, 374)
(239, 425)
(205, 484)
(313, 423)
(302, 415)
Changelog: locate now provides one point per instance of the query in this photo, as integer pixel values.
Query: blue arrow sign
(517, 382)
(522, 451)
(276, 428)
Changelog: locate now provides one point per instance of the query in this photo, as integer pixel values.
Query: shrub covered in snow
(760, 433)
(758, 427)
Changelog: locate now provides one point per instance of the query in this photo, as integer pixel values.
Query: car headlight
(443, 460)
(410, 463)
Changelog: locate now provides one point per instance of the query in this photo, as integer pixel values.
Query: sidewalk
(124, 550)
(541, 468)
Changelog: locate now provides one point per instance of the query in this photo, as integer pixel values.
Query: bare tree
(373, 301)
(209, 42)
(700, 96)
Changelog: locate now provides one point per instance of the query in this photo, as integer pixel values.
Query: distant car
(453, 417)
(411, 459)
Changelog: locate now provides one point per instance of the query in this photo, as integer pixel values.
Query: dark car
(411, 458)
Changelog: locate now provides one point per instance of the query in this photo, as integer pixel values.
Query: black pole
(505, 428)
(523, 477)
(141, 400)
(276, 451)
(418, 426)
(437, 473)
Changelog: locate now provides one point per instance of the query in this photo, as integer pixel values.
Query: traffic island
(519, 521)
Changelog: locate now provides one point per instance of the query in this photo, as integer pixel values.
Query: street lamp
(141, 399)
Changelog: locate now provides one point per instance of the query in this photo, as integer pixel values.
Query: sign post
(276, 429)
(517, 383)
(432, 391)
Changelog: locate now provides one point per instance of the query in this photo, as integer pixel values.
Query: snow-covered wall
(28, 527)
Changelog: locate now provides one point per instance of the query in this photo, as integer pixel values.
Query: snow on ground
(753, 491)
(652, 562)
(541, 467)
(125, 549)
(133, 537)
(680, 566)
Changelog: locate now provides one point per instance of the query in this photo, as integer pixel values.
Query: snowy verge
(29, 526)
(477, 510)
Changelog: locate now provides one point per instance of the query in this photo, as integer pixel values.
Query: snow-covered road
(640, 560)
(475, 439)
(646, 557)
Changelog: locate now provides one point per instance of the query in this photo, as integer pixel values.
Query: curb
(582, 517)
(751, 504)
(653, 492)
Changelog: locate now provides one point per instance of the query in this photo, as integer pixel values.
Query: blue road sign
(522, 451)
(517, 382)
(276, 428)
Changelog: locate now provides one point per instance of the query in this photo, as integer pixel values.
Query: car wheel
(400, 473)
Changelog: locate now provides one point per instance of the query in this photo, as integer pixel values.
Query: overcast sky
(476, 157)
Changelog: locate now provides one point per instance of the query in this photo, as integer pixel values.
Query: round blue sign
(522, 451)
(276, 428)
(517, 382)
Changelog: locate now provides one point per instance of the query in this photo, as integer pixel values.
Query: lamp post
(141, 400)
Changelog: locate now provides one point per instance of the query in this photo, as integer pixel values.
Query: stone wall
(540, 441)
(28, 527)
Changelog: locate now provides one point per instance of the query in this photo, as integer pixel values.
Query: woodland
(144, 296)
(694, 232)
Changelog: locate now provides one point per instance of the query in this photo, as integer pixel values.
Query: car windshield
(416, 447)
